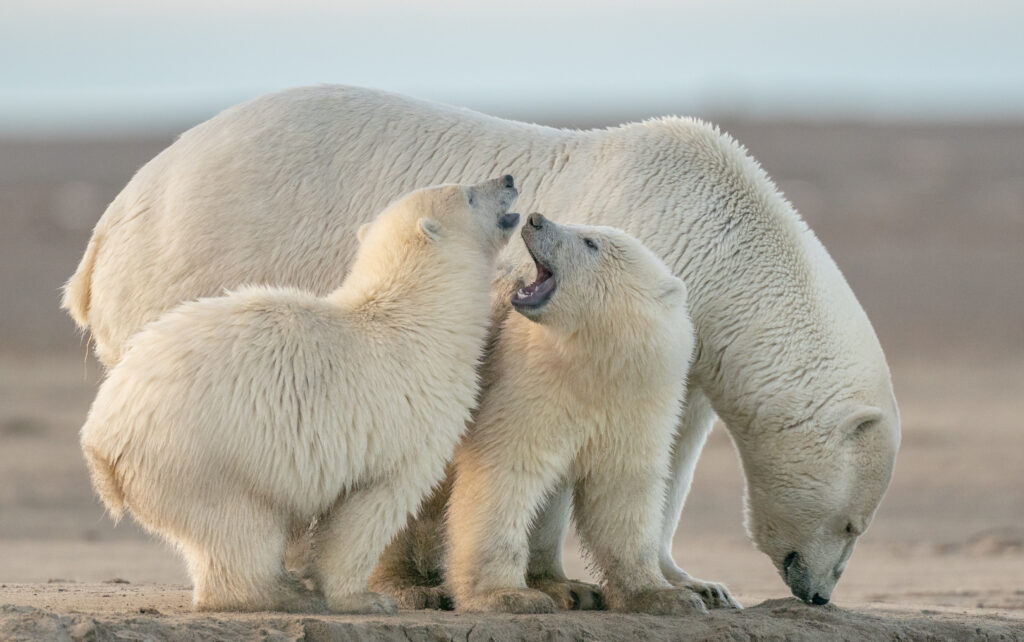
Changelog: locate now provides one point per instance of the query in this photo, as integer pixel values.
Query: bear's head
(811, 492)
(590, 274)
(475, 217)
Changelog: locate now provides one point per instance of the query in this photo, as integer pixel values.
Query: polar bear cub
(234, 421)
(583, 389)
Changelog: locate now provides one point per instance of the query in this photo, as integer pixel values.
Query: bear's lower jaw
(535, 295)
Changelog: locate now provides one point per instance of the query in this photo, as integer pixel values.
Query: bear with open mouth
(582, 394)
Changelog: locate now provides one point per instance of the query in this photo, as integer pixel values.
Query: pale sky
(101, 65)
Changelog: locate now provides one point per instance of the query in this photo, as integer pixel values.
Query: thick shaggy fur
(232, 422)
(273, 189)
(583, 399)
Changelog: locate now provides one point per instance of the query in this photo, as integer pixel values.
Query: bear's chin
(532, 312)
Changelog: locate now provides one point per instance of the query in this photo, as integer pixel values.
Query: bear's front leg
(350, 538)
(545, 571)
(694, 427)
(618, 514)
(493, 501)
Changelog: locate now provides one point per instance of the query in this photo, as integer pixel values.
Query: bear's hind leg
(411, 570)
(240, 567)
(352, 535)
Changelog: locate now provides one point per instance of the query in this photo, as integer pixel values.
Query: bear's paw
(571, 595)
(511, 600)
(662, 601)
(714, 595)
(423, 597)
(363, 603)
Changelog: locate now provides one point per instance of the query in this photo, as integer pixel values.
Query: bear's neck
(436, 301)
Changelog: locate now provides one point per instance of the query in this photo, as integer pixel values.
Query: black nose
(509, 181)
(508, 221)
(536, 221)
(819, 600)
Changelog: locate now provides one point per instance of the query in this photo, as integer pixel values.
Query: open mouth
(537, 293)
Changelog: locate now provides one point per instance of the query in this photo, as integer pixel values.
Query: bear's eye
(849, 528)
(590, 244)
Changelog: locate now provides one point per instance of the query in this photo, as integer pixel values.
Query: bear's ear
(429, 228)
(859, 420)
(363, 229)
(671, 291)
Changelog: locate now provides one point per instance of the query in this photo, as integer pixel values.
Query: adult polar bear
(273, 190)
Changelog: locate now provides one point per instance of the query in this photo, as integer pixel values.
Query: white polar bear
(272, 191)
(582, 391)
(232, 422)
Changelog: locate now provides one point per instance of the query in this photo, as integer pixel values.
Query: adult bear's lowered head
(811, 496)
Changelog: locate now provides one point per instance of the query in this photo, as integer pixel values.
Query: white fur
(234, 421)
(586, 398)
(274, 189)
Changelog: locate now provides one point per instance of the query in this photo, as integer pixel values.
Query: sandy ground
(119, 611)
(926, 222)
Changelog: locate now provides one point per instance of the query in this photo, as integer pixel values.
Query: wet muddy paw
(363, 603)
(523, 600)
(570, 595)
